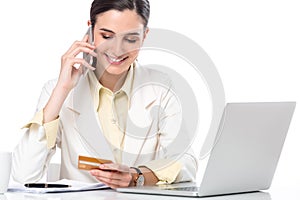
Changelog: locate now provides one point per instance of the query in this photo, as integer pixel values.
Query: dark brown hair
(142, 8)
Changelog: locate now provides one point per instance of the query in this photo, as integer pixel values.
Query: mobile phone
(88, 58)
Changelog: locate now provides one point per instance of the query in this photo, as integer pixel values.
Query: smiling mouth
(115, 61)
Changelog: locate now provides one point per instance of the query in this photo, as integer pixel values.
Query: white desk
(272, 194)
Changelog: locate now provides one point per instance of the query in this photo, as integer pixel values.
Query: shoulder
(152, 84)
(151, 75)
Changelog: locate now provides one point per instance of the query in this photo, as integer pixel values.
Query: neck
(113, 82)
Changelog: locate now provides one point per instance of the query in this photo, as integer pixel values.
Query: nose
(117, 48)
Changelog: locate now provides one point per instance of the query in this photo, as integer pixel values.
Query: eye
(106, 37)
(131, 39)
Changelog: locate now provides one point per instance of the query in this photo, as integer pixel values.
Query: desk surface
(272, 194)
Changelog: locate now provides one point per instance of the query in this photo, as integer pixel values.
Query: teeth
(114, 59)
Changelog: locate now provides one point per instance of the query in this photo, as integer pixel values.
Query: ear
(89, 23)
(146, 33)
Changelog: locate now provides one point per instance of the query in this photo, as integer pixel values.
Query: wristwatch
(140, 179)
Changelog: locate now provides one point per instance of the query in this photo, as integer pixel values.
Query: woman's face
(118, 35)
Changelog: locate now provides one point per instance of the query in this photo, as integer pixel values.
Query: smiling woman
(117, 43)
(118, 111)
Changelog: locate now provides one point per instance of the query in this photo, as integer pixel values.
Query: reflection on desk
(113, 195)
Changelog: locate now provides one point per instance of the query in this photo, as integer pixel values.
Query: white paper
(75, 186)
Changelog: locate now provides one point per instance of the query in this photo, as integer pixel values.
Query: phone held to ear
(88, 58)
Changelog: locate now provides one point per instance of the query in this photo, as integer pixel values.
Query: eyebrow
(107, 30)
(110, 31)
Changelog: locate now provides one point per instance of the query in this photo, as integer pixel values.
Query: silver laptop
(245, 155)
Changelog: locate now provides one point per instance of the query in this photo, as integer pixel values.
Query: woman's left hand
(113, 175)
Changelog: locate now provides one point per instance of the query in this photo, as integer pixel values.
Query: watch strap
(138, 171)
(139, 179)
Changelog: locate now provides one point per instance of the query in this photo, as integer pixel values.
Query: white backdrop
(255, 46)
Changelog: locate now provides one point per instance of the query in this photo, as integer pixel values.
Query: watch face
(140, 180)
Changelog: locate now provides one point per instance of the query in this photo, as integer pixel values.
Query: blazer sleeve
(32, 154)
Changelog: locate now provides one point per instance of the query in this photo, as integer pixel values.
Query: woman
(101, 109)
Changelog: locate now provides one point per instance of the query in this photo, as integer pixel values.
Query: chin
(118, 69)
(114, 71)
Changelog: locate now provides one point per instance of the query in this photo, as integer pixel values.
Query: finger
(114, 166)
(79, 70)
(106, 174)
(115, 178)
(121, 180)
(80, 44)
(77, 62)
(113, 183)
(110, 166)
(80, 49)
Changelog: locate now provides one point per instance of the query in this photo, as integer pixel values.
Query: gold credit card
(88, 163)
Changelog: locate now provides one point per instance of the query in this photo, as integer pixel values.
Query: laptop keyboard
(190, 189)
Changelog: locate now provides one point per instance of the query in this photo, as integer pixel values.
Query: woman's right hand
(68, 77)
(69, 73)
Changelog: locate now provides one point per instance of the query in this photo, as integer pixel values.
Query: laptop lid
(245, 154)
(248, 147)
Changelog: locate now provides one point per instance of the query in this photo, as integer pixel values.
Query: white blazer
(154, 131)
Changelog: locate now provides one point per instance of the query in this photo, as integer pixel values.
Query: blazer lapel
(142, 97)
(87, 122)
